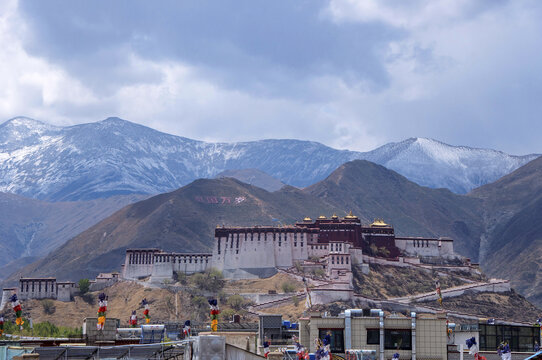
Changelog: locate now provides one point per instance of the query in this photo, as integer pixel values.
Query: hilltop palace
(330, 244)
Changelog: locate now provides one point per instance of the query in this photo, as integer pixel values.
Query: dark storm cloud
(349, 73)
(266, 46)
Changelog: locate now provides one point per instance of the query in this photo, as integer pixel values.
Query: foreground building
(330, 244)
(356, 329)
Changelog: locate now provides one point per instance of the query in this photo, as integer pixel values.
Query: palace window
(218, 247)
(347, 260)
(333, 259)
(302, 244)
(342, 260)
(32, 286)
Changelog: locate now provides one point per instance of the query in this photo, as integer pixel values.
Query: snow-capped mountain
(115, 156)
(435, 164)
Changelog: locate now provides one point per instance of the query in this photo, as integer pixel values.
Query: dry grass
(391, 281)
(123, 298)
(262, 285)
(288, 311)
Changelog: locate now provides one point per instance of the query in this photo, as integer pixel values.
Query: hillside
(376, 192)
(114, 156)
(122, 299)
(513, 241)
(183, 221)
(253, 177)
(31, 228)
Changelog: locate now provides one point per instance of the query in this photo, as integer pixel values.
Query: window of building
(302, 244)
(32, 286)
(373, 336)
(520, 338)
(342, 260)
(398, 339)
(347, 260)
(333, 259)
(337, 339)
(218, 247)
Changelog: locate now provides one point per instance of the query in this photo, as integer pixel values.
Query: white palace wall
(251, 255)
(411, 246)
(257, 252)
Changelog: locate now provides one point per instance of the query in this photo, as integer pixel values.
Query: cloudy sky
(348, 73)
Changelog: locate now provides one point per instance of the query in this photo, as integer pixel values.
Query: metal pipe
(381, 315)
(348, 326)
(413, 316)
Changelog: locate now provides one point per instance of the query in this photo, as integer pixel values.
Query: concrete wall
(93, 335)
(238, 254)
(244, 340)
(138, 263)
(65, 291)
(442, 247)
(37, 289)
(496, 287)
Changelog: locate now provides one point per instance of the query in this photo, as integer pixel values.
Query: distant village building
(41, 288)
(331, 244)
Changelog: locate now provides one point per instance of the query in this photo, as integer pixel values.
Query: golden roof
(379, 222)
(350, 216)
(307, 219)
(322, 217)
(334, 217)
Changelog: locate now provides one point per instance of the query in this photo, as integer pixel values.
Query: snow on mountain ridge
(115, 156)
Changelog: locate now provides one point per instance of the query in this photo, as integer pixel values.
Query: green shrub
(84, 286)
(211, 280)
(227, 314)
(295, 300)
(288, 287)
(319, 272)
(48, 306)
(236, 302)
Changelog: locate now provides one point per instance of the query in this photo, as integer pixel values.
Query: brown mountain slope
(183, 221)
(253, 177)
(374, 191)
(32, 228)
(512, 245)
